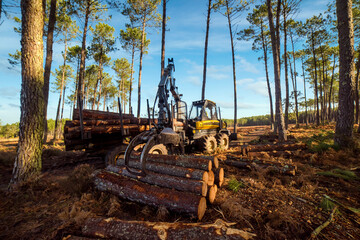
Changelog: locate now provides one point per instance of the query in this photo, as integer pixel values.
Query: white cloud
(244, 81)
(244, 65)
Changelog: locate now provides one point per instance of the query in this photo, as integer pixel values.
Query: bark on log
(75, 123)
(133, 190)
(167, 169)
(276, 147)
(178, 160)
(283, 154)
(122, 229)
(219, 176)
(103, 129)
(98, 115)
(182, 184)
(283, 168)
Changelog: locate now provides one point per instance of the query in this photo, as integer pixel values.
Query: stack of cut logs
(178, 182)
(101, 129)
(252, 157)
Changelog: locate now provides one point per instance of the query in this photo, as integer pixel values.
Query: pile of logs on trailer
(101, 130)
(180, 183)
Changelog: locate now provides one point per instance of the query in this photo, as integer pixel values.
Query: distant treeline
(265, 119)
(12, 130)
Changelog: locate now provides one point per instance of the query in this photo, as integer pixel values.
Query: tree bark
(163, 30)
(122, 229)
(131, 77)
(250, 164)
(80, 90)
(205, 50)
(48, 61)
(315, 79)
(276, 52)
(178, 160)
(198, 187)
(233, 63)
(306, 106)
(140, 64)
(28, 158)
(295, 83)
(265, 49)
(61, 89)
(345, 116)
(286, 72)
(331, 89)
(357, 108)
(172, 170)
(149, 194)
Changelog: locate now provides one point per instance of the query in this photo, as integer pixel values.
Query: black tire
(159, 149)
(117, 152)
(223, 141)
(208, 144)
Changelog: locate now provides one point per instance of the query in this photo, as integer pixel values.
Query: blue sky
(184, 43)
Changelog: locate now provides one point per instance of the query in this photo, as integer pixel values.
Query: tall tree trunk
(357, 88)
(233, 63)
(286, 72)
(28, 158)
(205, 50)
(321, 94)
(306, 112)
(62, 113)
(131, 77)
(295, 83)
(48, 61)
(275, 43)
(324, 79)
(61, 90)
(80, 92)
(315, 79)
(140, 65)
(331, 89)
(265, 49)
(163, 30)
(345, 116)
(0, 8)
(100, 85)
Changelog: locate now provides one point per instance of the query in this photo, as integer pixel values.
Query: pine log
(129, 130)
(219, 176)
(133, 190)
(182, 184)
(167, 169)
(211, 178)
(98, 115)
(283, 168)
(112, 228)
(94, 122)
(284, 154)
(212, 193)
(178, 160)
(276, 147)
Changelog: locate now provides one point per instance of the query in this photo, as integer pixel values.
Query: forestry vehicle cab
(174, 131)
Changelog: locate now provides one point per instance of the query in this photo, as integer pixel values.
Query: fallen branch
(324, 225)
(122, 229)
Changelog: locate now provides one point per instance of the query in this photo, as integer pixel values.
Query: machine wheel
(223, 141)
(208, 144)
(112, 156)
(159, 149)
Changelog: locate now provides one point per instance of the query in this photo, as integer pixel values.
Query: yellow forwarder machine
(174, 131)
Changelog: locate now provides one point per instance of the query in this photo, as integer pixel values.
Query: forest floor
(271, 205)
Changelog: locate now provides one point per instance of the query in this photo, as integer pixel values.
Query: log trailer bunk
(173, 132)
